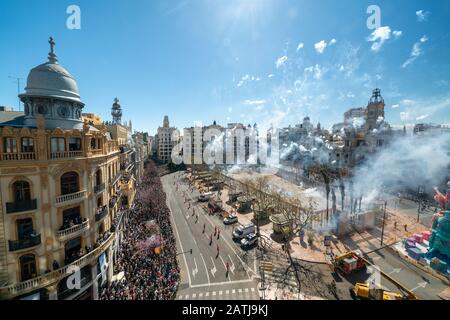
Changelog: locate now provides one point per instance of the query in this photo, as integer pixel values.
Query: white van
(243, 230)
(204, 197)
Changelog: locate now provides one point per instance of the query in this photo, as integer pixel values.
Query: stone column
(52, 292)
(110, 272)
(94, 281)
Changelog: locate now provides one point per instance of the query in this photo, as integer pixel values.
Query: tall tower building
(116, 112)
(375, 110)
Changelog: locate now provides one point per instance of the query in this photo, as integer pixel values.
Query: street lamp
(419, 200)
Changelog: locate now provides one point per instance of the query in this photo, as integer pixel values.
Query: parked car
(249, 241)
(243, 230)
(231, 219)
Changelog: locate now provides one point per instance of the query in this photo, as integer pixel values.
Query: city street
(204, 272)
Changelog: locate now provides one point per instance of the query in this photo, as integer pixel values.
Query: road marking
(220, 292)
(213, 293)
(213, 270)
(179, 241)
(206, 267)
(395, 271)
(252, 289)
(186, 297)
(233, 291)
(200, 295)
(246, 267)
(246, 290)
(419, 285)
(227, 292)
(195, 271)
(240, 290)
(207, 294)
(232, 268)
(194, 295)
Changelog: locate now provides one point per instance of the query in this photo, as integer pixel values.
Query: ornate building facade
(61, 188)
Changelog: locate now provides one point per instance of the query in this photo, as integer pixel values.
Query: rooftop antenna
(18, 87)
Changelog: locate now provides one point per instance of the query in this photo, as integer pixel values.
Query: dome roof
(52, 80)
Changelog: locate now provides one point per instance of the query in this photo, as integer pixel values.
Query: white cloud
(281, 61)
(422, 117)
(230, 109)
(300, 46)
(332, 41)
(379, 37)
(416, 51)
(422, 15)
(407, 102)
(320, 46)
(255, 102)
(259, 107)
(397, 33)
(404, 116)
(271, 75)
(395, 106)
(316, 70)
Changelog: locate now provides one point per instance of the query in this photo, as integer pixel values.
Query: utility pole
(384, 219)
(18, 87)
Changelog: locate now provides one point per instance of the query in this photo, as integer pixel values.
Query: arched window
(21, 190)
(70, 183)
(27, 267)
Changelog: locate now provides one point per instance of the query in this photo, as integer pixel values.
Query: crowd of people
(154, 275)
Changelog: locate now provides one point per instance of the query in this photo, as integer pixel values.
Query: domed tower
(52, 92)
(116, 112)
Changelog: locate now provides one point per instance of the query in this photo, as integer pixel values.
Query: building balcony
(21, 206)
(18, 156)
(97, 152)
(99, 188)
(101, 214)
(25, 243)
(72, 232)
(71, 197)
(53, 277)
(66, 155)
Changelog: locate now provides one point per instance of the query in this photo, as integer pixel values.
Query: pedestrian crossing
(224, 294)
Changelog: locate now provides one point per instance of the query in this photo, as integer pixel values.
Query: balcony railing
(99, 188)
(18, 156)
(66, 154)
(101, 214)
(97, 151)
(70, 197)
(62, 235)
(53, 277)
(21, 206)
(31, 241)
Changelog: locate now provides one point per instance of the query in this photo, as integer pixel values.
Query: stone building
(61, 191)
(165, 143)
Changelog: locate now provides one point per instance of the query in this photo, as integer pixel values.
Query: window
(27, 145)
(27, 267)
(21, 191)
(24, 228)
(74, 144)
(93, 144)
(10, 145)
(58, 145)
(69, 183)
(98, 178)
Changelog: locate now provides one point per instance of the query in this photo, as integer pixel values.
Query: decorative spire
(52, 56)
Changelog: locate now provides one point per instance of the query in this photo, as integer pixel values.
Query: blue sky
(264, 61)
